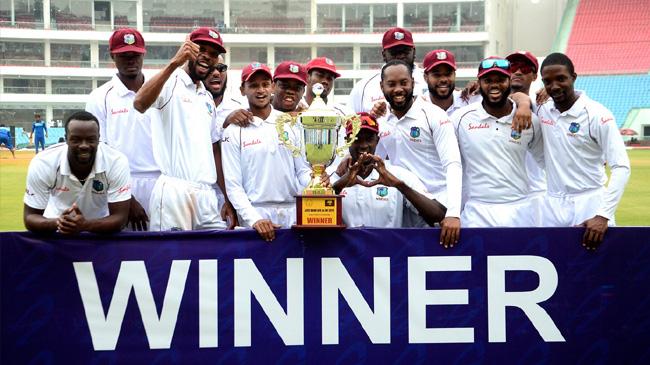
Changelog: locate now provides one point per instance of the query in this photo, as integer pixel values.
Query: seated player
(262, 175)
(376, 193)
(82, 185)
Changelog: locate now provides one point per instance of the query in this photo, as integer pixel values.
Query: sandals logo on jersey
(129, 38)
(98, 187)
(574, 128)
(209, 108)
(415, 132)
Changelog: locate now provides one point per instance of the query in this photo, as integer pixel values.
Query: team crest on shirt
(98, 187)
(415, 132)
(515, 135)
(574, 128)
(129, 38)
(209, 107)
(382, 193)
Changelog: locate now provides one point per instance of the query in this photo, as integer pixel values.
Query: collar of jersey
(187, 80)
(98, 166)
(484, 115)
(577, 107)
(120, 87)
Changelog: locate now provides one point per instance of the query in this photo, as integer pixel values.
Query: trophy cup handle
(284, 138)
(356, 127)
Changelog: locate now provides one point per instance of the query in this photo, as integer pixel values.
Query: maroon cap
(397, 37)
(254, 68)
(126, 40)
(494, 64)
(524, 55)
(208, 35)
(367, 122)
(291, 70)
(323, 63)
(437, 57)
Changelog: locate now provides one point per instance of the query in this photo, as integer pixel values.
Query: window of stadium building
(343, 87)
(444, 17)
(18, 117)
(71, 86)
(159, 56)
(298, 54)
(287, 16)
(330, 18)
(472, 16)
(466, 56)
(418, 17)
(61, 114)
(24, 86)
(109, 15)
(342, 56)
(26, 14)
(242, 56)
(70, 55)
(384, 16)
(357, 18)
(22, 53)
(71, 14)
(182, 16)
(371, 58)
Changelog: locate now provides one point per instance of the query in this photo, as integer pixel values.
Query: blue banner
(355, 296)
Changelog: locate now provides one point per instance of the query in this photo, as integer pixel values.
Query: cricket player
(82, 185)
(6, 139)
(578, 134)
(494, 155)
(39, 132)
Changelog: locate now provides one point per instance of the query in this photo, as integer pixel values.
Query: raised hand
(188, 51)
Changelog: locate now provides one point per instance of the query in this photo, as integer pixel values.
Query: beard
(433, 91)
(408, 98)
(495, 104)
(193, 75)
(218, 94)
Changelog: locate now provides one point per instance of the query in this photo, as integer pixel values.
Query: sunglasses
(495, 62)
(524, 67)
(221, 67)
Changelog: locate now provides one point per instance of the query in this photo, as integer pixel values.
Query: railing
(24, 89)
(21, 62)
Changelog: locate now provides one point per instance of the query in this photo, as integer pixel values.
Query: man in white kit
(494, 155)
(440, 77)
(376, 193)
(80, 185)
(578, 134)
(185, 138)
(262, 175)
(397, 44)
(123, 127)
(420, 137)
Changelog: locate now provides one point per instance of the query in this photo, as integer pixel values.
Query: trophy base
(319, 211)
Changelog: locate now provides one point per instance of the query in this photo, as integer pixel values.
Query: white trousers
(572, 210)
(178, 204)
(521, 213)
(282, 214)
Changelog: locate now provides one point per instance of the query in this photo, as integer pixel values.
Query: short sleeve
(39, 183)
(119, 188)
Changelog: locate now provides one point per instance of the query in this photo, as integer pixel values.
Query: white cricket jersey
(51, 186)
(227, 106)
(458, 101)
(575, 143)
(380, 205)
(123, 127)
(494, 155)
(423, 141)
(367, 91)
(184, 133)
(259, 169)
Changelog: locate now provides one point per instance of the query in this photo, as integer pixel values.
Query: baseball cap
(126, 40)
(397, 37)
(494, 64)
(323, 63)
(523, 55)
(208, 35)
(437, 57)
(291, 70)
(252, 69)
(367, 122)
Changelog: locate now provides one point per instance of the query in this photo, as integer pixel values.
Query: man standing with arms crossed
(578, 134)
(124, 128)
(185, 138)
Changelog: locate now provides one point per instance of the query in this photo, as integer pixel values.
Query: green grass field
(634, 209)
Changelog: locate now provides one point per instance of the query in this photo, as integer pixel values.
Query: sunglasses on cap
(495, 62)
(221, 67)
(524, 67)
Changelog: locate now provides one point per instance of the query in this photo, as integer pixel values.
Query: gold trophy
(318, 206)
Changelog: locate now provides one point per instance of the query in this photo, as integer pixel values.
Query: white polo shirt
(227, 106)
(259, 169)
(575, 143)
(367, 91)
(458, 101)
(424, 142)
(380, 205)
(51, 186)
(184, 133)
(123, 127)
(494, 155)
